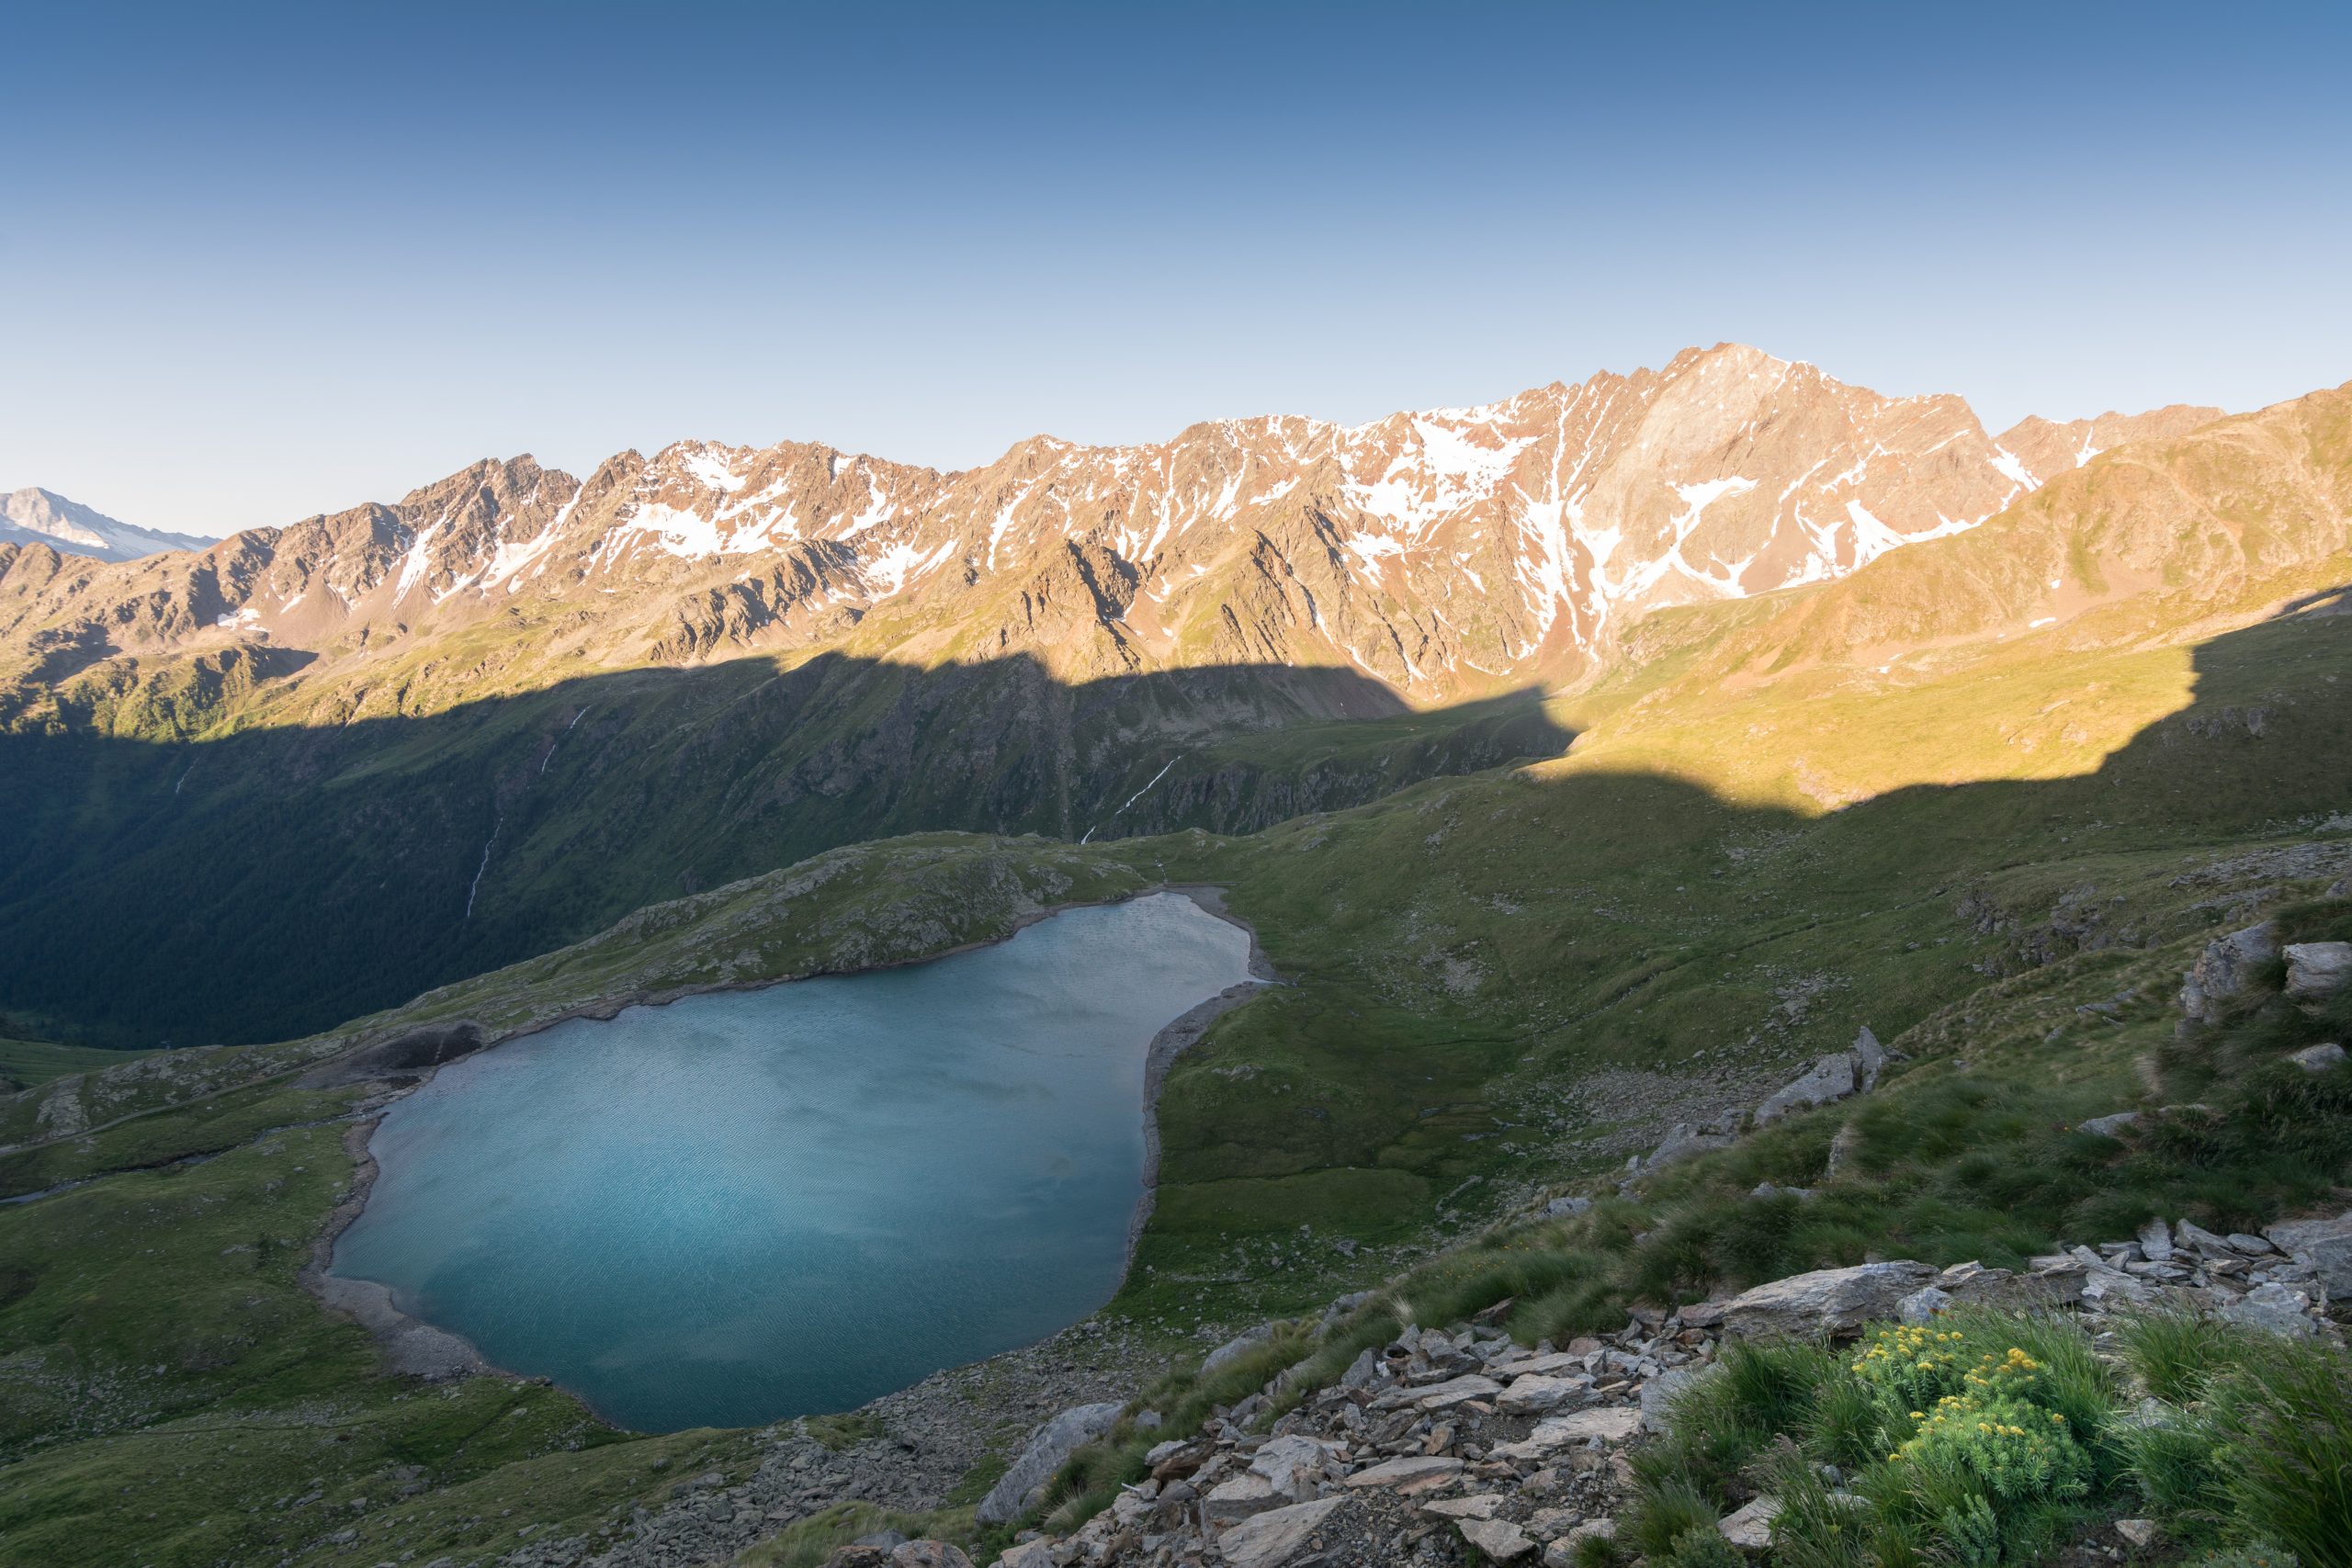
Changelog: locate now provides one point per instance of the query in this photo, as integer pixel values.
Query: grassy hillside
(344, 861)
(26, 1063)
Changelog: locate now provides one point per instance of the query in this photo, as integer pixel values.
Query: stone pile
(1458, 1446)
(1445, 1440)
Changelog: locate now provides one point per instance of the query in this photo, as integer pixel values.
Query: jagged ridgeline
(311, 771)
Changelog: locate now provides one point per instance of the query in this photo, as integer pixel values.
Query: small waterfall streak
(1146, 789)
(559, 742)
(473, 892)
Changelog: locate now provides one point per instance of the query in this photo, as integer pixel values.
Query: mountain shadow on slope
(273, 881)
(1492, 970)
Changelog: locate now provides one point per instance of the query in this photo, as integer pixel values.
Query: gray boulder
(2319, 1058)
(1827, 1300)
(1047, 1448)
(2325, 1245)
(2189, 1233)
(2272, 1308)
(2318, 969)
(1870, 1059)
(1498, 1540)
(1238, 1497)
(1343, 1307)
(1295, 1466)
(1921, 1305)
(2156, 1242)
(1566, 1208)
(1660, 1393)
(2112, 1125)
(1750, 1530)
(1831, 1078)
(1234, 1349)
(2222, 970)
(1682, 1141)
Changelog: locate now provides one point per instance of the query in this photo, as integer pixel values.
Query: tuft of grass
(843, 1431)
(1994, 1436)
(809, 1543)
(2175, 1353)
(1664, 1515)
(2284, 1420)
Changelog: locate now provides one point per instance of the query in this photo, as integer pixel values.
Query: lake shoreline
(412, 1347)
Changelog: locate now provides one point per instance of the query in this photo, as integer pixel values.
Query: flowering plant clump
(1912, 1364)
(2018, 1450)
(1915, 1365)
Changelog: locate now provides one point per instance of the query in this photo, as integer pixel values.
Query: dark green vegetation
(2000, 854)
(1985, 1437)
(28, 1064)
(156, 868)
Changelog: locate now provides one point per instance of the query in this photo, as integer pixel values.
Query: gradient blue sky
(264, 262)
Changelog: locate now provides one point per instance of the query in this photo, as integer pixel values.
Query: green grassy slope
(507, 807)
(26, 1063)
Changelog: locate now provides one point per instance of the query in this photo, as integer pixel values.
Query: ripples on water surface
(757, 1204)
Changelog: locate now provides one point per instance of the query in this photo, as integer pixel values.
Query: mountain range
(1444, 554)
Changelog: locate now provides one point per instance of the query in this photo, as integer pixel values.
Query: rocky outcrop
(2223, 970)
(1827, 1300)
(1832, 1078)
(2321, 1246)
(1048, 1447)
(1837, 1075)
(2317, 970)
(1457, 1446)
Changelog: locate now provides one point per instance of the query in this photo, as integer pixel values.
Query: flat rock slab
(1482, 1507)
(1272, 1540)
(1048, 1447)
(1831, 1078)
(1827, 1300)
(2327, 1243)
(1443, 1395)
(1750, 1530)
(1609, 1424)
(1241, 1496)
(1500, 1540)
(1537, 1395)
(1407, 1473)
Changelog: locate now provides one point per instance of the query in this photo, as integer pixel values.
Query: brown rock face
(1447, 553)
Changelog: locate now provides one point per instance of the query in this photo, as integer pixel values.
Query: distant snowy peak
(33, 515)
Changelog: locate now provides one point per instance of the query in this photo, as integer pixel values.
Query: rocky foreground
(1457, 1445)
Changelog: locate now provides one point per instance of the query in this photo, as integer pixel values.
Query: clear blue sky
(260, 263)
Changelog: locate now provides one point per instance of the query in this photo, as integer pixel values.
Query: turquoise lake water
(758, 1204)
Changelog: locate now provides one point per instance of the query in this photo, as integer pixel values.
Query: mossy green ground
(28, 1064)
(1718, 884)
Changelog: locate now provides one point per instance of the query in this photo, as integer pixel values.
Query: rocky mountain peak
(1446, 552)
